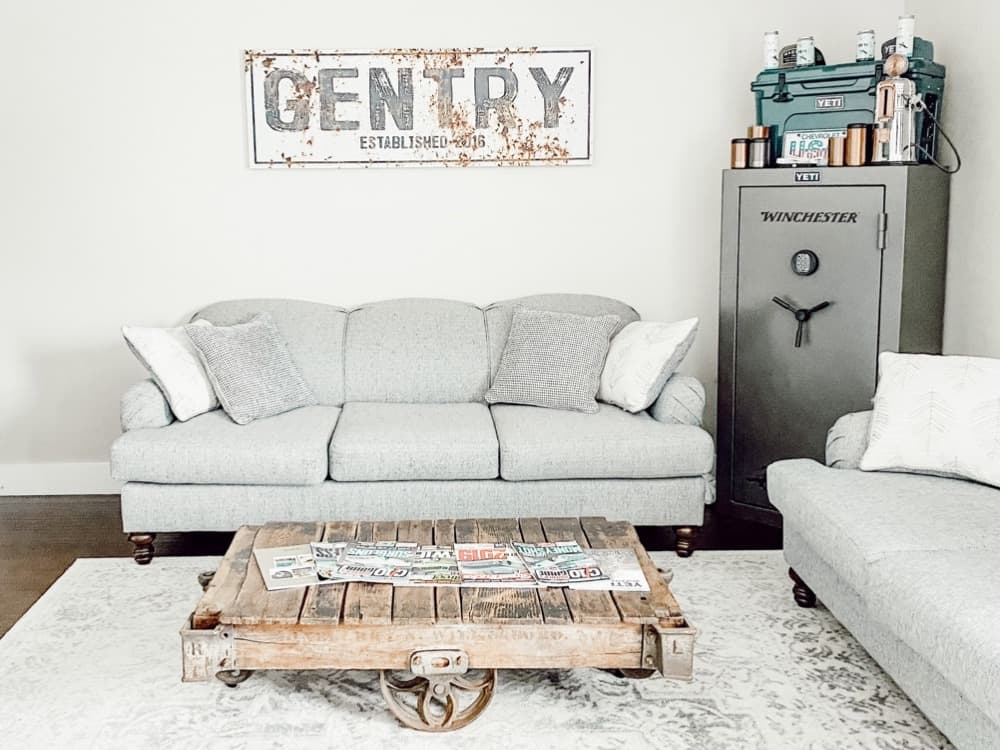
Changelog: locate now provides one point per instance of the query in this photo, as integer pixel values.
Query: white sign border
(249, 104)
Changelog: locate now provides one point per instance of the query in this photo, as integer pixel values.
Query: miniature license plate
(809, 146)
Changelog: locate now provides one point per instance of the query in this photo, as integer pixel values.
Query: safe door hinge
(881, 230)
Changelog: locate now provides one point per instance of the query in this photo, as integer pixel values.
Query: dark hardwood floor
(41, 536)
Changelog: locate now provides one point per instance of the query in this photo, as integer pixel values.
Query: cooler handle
(781, 95)
(878, 76)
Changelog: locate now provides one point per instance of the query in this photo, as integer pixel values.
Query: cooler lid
(845, 75)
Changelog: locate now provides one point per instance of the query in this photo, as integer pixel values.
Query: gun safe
(821, 269)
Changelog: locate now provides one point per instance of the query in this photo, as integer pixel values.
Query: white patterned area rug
(96, 664)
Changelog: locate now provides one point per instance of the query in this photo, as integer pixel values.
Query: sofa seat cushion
(945, 605)
(289, 448)
(541, 443)
(380, 441)
(853, 518)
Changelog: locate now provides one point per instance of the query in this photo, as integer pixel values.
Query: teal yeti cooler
(820, 100)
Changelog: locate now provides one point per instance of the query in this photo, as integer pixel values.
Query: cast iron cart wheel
(630, 673)
(437, 703)
(234, 677)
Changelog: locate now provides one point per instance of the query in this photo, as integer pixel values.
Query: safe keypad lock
(804, 262)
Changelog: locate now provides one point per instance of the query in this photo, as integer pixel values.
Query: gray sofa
(910, 565)
(402, 431)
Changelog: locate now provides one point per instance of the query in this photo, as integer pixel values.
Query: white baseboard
(58, 479)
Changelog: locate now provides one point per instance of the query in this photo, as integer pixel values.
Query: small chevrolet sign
(419, 107)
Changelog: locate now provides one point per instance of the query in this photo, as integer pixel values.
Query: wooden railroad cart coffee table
(437, 649)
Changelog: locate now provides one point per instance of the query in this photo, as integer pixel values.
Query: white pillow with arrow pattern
(937, 415)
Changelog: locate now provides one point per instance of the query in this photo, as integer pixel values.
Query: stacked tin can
(753, 152)
(805, 51)
(866, 45)
(770, 50)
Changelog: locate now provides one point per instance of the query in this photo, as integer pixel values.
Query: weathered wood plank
(255, 605)
(350, 611)
(497, 605)
(414, 604)
(551, 600)
(465, 531)
(371, 603)
(660, 597)
(634, 606)
(226, 583)
(585, 606)
(448, 608)
(502, 646)
(322, 605)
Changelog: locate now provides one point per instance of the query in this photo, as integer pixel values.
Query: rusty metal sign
(397, 107)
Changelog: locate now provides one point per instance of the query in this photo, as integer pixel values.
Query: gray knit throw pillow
(553, 359)
(250, 369)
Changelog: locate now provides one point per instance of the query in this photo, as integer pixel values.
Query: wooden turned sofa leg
(802, 593)
(685, 536)
(142, 547)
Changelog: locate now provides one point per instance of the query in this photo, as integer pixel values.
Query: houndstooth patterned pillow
(553, 359)
(250, 368)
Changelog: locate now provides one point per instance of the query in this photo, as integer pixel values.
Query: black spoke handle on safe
(784, 304)
(802, 314)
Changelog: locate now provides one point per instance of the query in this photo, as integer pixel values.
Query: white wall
(971, 118)
(125, 195)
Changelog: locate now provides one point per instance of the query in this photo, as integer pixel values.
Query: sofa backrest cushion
(402, 351)
(498, 315)
(416, 351)
(313, 332)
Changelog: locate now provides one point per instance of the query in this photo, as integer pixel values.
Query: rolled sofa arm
(144, 405)
(847, 440)
(681, 401)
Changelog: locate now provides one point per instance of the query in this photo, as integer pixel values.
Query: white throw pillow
(174, 364)
(936, 415)
(641, 359)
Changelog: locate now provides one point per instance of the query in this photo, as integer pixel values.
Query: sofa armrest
(847, 440)
(144, 405)
(681, 401)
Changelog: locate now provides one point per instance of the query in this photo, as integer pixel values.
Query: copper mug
(836, 151)
(857, 137)
(739, 153)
